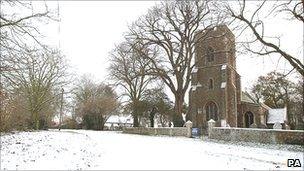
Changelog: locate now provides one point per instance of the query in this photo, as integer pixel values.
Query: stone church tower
(216, 86)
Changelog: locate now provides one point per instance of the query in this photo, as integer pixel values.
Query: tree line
(31, 72)
(157, 53)
(277, 91)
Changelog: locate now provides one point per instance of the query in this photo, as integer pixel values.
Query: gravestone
(287, 127)
(263, 126)
(277, 125)
(223, 123)
(254, 125)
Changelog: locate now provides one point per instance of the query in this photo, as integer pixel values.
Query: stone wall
(258, 135)
(176, 131)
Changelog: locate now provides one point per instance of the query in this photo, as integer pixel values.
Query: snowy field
(88, 150)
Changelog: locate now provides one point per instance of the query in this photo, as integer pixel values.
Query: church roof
(245, 97)
(265, 106)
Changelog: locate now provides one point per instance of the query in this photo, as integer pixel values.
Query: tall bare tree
(19, 32)
(129, 71)
(38, 77)
(252, 19)
(171, 28)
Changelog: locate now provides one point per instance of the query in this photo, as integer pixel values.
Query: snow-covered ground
(82, 149)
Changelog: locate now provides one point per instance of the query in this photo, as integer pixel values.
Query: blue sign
(196, 132)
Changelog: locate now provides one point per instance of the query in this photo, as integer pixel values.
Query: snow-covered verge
(82, 149)
(46, 150)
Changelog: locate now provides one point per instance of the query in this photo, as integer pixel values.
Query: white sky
(89, 30)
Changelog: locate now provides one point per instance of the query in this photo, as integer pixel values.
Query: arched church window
(211, 111)
(210, 84)
(210, 54)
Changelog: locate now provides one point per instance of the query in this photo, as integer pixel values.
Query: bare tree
(19, 32)
(95, 103)
(129, 71)
(171, 28)
(19, 29)
(252, 19)
(38, 77)
(13, 115)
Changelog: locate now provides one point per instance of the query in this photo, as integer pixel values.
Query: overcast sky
(90, 29)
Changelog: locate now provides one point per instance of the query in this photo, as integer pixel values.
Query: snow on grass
(82, 149)
(46, 150)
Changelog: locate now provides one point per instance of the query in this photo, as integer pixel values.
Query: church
(216, 85)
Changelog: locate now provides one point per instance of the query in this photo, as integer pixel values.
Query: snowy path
(82, 149)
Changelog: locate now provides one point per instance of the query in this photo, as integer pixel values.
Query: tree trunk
(178, 108)
(36, 121)
(98, 122)
(302, 111)
(135, 120)
(152, 114)
(102, 122)
(290, 115)
(135, 113)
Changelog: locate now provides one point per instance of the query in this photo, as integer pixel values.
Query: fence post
(189, 128)
(211, 124)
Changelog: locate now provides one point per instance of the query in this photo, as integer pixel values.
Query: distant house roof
(277, 115)
(120, 119)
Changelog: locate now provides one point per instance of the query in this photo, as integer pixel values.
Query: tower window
(210, 84)
(210, 54)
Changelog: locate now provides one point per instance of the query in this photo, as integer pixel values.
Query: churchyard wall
(272, 136)
(176, 131)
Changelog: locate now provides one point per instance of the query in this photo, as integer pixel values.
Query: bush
(70, 123)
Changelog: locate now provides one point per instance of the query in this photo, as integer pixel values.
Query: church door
(249, 119)
(211, 111)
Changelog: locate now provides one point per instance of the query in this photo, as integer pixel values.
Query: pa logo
(294, 163)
